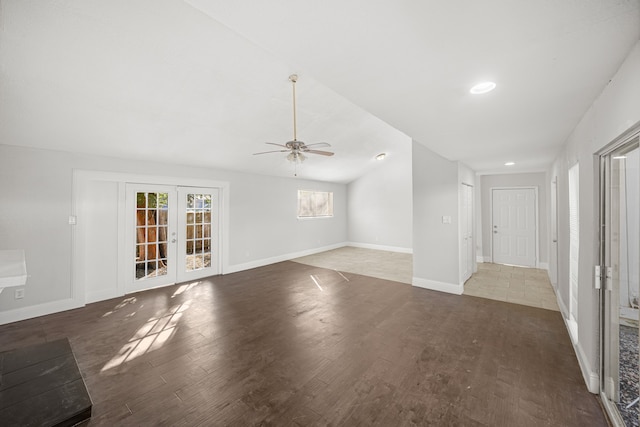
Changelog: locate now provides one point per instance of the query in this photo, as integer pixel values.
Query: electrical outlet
(19, 294)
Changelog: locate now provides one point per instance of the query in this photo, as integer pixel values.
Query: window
(315, 204)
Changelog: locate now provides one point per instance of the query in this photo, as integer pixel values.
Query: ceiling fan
(297, 149)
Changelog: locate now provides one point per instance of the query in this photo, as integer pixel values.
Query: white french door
(172, 235)
(514, 226)
(198, 233)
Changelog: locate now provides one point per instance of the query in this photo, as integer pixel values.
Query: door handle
(173, 240)
(495, 231)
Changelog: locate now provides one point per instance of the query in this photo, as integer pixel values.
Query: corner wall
(435, 244)
(380, 203)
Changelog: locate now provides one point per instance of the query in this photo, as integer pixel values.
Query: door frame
(78, 267)
(602, 212)
(535, 213)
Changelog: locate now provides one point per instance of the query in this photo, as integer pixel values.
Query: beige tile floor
(518, 285)
(394, 266)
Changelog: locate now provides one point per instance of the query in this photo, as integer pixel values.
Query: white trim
(434, 285)
(381, 247)
(102, 295)
(280, 258)
(591, 378)
(543, 266)
(535, 212)
(479, 259)
(612, 411)
(38, 310)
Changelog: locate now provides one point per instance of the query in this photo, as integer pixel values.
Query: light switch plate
(446, 219)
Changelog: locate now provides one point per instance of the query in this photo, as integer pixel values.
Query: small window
(315, 204)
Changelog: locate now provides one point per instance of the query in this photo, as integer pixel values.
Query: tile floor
(394, 266)
(518, 285)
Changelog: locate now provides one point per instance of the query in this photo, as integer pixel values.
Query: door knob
(173, 240)
(495, 231)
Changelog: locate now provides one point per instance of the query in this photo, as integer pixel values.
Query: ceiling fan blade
(279, 145)
(275, 151)
(323, 153)
(319, 144)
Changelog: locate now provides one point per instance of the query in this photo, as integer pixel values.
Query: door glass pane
(151, 234)
(198, 231)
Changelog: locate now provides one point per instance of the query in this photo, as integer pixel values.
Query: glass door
(198, 233)
(151, 243)
(172, 235)
(620, 295)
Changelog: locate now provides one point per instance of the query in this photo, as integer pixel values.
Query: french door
(172, 235)
(514, 226)
(620, 290)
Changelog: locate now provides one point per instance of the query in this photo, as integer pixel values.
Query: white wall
(36, 201)
(537, 180)
(614, 111)
(380, 203)
(435, 245)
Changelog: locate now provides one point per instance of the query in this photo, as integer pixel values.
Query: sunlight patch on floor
(123, 303)
(151, 336)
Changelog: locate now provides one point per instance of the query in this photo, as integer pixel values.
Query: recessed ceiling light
(381, 156)
(483, 87)
(509, 164)
(619, 157)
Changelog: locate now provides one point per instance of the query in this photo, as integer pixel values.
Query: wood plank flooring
(293, 344)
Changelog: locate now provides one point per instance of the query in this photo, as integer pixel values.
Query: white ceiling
(204, 82)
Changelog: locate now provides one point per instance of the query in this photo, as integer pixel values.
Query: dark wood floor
(291, 344)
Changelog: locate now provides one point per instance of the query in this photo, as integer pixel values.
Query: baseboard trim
(591, 378)
(280, 258)
(434, 285)
(24, 313)
(101, 295)
(381, 247)
(543, 266)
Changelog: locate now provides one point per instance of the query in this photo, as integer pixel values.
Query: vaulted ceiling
(204, 82)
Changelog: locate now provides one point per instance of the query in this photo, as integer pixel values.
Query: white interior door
(553, 247)
(514, 226)
(574, 248)
(172, 235)
(466, 232)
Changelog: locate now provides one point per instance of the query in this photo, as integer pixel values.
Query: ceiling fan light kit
(297, 149)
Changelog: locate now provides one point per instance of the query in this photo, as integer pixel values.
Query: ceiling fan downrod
(293, 78)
